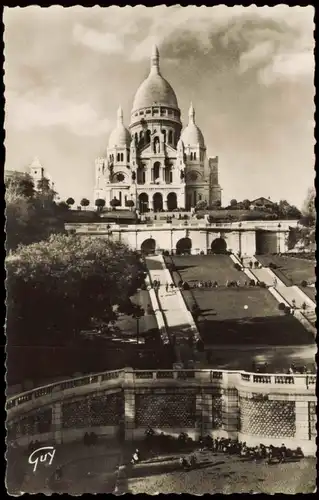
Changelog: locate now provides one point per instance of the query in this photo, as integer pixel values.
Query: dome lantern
(120, 136)
(192, 135)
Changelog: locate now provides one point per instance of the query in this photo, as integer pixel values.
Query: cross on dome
(120, 115)
(191, 113)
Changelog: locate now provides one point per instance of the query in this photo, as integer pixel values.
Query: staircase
(178, 319)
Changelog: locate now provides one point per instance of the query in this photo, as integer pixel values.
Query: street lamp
(138, 314)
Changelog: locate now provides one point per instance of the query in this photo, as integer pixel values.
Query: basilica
(155, 163)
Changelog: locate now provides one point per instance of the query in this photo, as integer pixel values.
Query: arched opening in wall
(118, 157)
(157, 202)
(164, 136)
(191, 157)
(170, 137)
(184, 246)
(219, 245)
(266, 242)
(156, 171)
(148, 246)
(171, 201)
(141, 174)
(148, 136)
(143, 202)
(136, 138)
(168, 174)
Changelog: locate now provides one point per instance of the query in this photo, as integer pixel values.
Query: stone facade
(255, 409)
(193, 237)
(155, 164)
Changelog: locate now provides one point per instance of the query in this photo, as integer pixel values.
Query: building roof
(120, 136)
(263, 200)
(192, 135)
(155, 90)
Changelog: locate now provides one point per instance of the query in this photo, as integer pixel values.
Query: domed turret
(192, 135)
(155, 90)
(120, 136)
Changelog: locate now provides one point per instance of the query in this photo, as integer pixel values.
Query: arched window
(194, 156)
(199, 197)
(122, 156)
(191, 156)
(128, 156)
(170, 137)
(156, 171)
(164, 136)
(148, 136)
(118, 157)
(136, 138)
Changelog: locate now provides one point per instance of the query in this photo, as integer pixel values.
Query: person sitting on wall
(283, 452)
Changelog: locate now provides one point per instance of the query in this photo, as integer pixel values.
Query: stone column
(230, 411)
(129, 404)
(302, 420)
(57, 422)
(207, 413)
(282, 237)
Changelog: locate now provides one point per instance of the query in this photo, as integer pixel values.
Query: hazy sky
(248, 71)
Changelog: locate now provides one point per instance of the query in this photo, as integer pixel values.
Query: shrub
(272, 265)
(143, 286)
(186, 286)
(202, 252)
(252, 283)
(304, 283)
(237, 266)
(281, 306)
(287, 310)
(166, 253)
(262, 284)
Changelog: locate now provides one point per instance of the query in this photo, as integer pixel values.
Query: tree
(100, 204)
(30, 215)
(130, 204)
(233, 203)
(84, 202)
(115, 203)
(58, 287)
(246, 204)
(21, 184)
(63, 206)
(309, 213)
(70, 202)
(201, 205)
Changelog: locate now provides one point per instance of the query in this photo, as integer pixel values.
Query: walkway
(178, 319)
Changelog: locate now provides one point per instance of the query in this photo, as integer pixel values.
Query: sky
(248, 71)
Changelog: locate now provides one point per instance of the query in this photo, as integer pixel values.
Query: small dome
(120, 136)
(155, 89)
(192, 135)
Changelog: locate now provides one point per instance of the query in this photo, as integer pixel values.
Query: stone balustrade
(103, 227)
(268, 408)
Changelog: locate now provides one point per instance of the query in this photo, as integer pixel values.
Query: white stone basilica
(155, 164)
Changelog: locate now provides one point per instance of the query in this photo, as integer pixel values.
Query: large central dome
(155, 90)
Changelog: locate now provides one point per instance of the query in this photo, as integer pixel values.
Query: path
(178, 319)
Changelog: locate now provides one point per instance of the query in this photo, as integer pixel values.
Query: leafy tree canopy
(66, 284)
(31, 215)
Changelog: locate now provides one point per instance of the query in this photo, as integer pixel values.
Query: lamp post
(138, 314)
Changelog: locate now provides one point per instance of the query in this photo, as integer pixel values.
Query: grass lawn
(235, 316)
(218, 268)
(296, 270)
